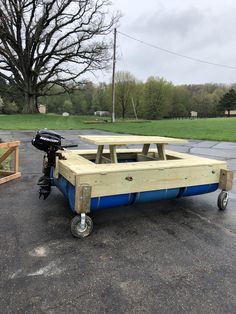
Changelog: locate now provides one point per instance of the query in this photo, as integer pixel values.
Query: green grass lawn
(220, 129)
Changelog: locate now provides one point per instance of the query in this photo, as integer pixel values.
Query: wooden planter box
(9, 149)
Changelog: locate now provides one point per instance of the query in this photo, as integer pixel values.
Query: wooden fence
(12, 172)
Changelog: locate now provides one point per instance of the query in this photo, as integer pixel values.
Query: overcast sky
(203, 29)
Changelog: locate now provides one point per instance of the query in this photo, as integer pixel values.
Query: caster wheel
(76, 229)
(222, 201)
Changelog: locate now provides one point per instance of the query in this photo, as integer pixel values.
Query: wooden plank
(226, 180)
(145, 149)
(99, 154)
(6, 173)
(6, 154)
(129, 139)
(106, 160)
(141, 157)
(91, 154)
(75, 158)
(84, 152)
(113, 153)
(82, 197)
(153, 179)
(16, 161)
(66, 171)
(162, 164)
(55, 171)
(10, 144)
(70, 172)
(77, 194)
(10, 177)
(120, 167)
(161, 151)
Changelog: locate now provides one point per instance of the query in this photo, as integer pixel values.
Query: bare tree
(44, 43)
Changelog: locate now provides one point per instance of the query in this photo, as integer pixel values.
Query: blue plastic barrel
(104, 202)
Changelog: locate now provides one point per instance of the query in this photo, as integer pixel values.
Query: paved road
(173, 256)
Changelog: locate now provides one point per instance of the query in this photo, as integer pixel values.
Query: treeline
(156, 98)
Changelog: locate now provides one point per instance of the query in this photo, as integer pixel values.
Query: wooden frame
(179, 170)
(226, 180)
(114, 171)
(10, 148)
(82, 197)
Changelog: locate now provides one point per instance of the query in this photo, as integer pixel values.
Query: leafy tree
(10, 108)
(82, 98)
(102, 97)
(180, 101)
(138, 100)
(9, 93)
(125, 85)
(158, 93)
(68, 106)
(53, 42)
(216, 96)
(228, 101)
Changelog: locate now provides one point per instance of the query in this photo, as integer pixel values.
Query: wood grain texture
(129, 139)
(226, 180)
(110, 179)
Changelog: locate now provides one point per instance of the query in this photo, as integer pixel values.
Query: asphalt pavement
(176, 256)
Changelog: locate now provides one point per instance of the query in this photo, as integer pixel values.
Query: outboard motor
(49, 142)
(46, 141)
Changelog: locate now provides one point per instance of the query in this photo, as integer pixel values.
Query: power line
(176, 53)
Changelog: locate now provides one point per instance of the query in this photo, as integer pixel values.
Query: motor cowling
(47, 141)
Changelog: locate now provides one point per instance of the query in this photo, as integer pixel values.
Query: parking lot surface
(176, 256)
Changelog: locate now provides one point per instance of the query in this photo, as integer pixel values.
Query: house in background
(232, 113)
(42, 108)
(193, 114)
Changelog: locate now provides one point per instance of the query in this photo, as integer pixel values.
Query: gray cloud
(172, 23)
(203, 29)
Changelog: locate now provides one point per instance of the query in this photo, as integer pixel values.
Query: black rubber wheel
(77, 231)
(222, 201)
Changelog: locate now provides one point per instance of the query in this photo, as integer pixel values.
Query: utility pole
(113, 77)
(135, 112)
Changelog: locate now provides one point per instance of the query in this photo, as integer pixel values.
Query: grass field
(219, 129)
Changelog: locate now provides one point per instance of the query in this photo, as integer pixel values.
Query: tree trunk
(31, 105)
(123, 107)
(228, 113)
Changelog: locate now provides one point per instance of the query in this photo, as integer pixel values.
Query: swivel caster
(81, 226)
(223, 199)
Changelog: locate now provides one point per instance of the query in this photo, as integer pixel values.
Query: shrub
(10, 108)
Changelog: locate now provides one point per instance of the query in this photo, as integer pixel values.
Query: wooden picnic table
(122, 140)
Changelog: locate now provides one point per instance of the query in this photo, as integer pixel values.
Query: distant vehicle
(102, 113)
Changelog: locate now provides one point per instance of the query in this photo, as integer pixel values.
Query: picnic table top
(129, 139)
